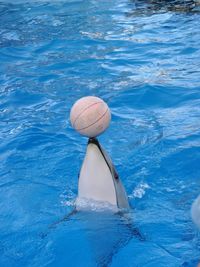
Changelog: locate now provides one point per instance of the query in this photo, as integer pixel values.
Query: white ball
(90, 116)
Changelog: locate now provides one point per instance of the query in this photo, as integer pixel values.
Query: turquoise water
(143, 59)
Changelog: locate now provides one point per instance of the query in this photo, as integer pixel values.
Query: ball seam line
(73, 124)
(94, 121)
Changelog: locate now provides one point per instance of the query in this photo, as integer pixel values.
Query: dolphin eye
(116, 175)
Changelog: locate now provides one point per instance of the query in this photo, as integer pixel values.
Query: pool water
(143, 59)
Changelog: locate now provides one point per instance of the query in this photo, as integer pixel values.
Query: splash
(92, 205)
(140, 190)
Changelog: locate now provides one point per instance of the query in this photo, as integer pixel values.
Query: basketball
(90, 116)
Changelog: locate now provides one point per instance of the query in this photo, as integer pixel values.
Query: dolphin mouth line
(94, 141)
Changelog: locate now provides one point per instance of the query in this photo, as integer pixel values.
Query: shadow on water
(158, 6)
(105, 233)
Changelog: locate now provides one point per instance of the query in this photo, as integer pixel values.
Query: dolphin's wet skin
(98, 179)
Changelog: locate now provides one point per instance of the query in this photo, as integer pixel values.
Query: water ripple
(143, 59)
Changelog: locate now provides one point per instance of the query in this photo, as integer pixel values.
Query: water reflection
(157, 6)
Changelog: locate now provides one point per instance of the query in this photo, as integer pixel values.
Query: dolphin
(98, 179)
(195, 211)
(105, 229)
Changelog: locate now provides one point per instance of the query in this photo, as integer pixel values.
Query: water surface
(143, 59)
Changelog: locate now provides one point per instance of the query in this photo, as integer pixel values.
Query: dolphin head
(195, 212)
(98, 179)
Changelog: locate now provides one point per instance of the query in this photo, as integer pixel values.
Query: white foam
(140, 190)
(89, 204)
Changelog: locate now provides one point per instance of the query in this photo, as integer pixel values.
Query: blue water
(143, 59)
